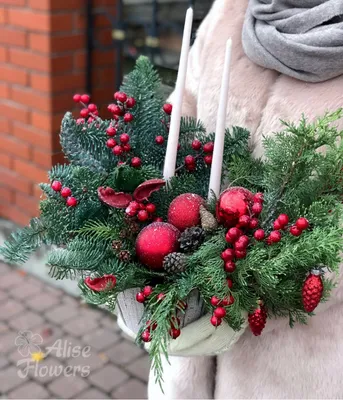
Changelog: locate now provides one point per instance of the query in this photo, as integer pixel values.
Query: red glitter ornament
(184, 211)
(232, 204)
(156, 241)
(312, 292)
(257, 320)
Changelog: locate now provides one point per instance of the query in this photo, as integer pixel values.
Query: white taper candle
(174, 131)
(218, 152)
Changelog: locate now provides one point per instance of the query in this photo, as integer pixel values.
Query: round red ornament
(184, 211)
(156, 241)
(253, 223)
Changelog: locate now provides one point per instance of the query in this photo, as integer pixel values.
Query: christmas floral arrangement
(264, 247)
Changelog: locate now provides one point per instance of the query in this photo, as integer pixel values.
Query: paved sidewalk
(37, 319)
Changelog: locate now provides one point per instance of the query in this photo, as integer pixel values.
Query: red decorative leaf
(113, 199)
(145, 189)
(106, 282)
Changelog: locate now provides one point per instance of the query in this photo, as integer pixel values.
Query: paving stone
(42, 301)
(62, 348)
(24, 291)
(74, 301)
(25, 320)
(35, 281)
(101, 339)
(54, 291)
(47, 370)
(140, 368)
(92, 362)
(61, 313)
(123, 353)
(30, 390)
(11, 279)
(9, 379)
(9, 309)
(80, 326)
(3, 295)
(90, 312)
(7, 342)
(4, 268)
(108, 378)
(50, 333)
(3, 361)
(93, 394)
(67, 387)
(3, 328)
(132, 389)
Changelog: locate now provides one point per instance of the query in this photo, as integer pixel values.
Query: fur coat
(301, 363)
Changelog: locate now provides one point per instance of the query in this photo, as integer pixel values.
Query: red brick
(5, 161)
(40, 42)
(14, 214)
(14, 2)
(68, 82)
(30, 60)
(80, 60)
(31, 98)
(40, 82)
(61, 22)
(30, 171)
(12, 37)
(101, 21)
(32, 136)
(104, 37)
(27, 203)
(3, 54)
(47, 122)
(14, 180)
(15, 112)
(42, 158)
(4, 91)
(68, 43)
(56, 5)
(5, 126)
(3, 15)
(6, 194)
(14, 146)
(80, 22)
(62, 64)
(29, 19)
(14, 75)
(101, 57)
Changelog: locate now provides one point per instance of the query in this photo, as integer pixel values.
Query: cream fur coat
(301, 363)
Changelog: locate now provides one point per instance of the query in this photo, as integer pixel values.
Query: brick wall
(42, 63)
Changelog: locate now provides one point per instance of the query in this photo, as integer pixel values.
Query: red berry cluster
(175, 330)
(120, 109)
(89, 110)
(65, 193)
(142, 211)
(144, 294)
(220, 312)
(205, 153)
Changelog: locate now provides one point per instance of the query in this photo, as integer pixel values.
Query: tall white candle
(218, 152)
(174, 131)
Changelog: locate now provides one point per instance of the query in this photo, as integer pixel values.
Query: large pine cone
(191, 239)
(174, 263)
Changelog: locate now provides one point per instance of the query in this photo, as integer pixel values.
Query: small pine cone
(257, 320)
(208, 221)
(312, 292)
(116, 245)
(174, 263)
(191, 239)
(125, 255)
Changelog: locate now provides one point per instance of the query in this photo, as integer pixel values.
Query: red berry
(161, 296)
(71, 202)
(191, 167)
(77, 98)
(126, 147)
(175, 322)
(229, 283)
(244, 240)
(141, 206)
(128, 117)
(84, 113)
(277, 225)
(90, 120)
(159, 140)
(231, 300)
(151, 208)
(253, 223)
(257, 208)
(130, 102)
(117, 150)
(215, 321)
(196, 144)
(233, 234)
(146, 337)
(151, 326)
(283, 219)
(219, 312)
(174, 333)
(275, 237)
(228, 255)
(120, 163)
(258, 198)
(230, 267)
(158, 219)
(92, 107)
(143, 215)
(124, 138)
(240, 246)
(85, 98)
(215, 301)
(136, 162)
(116, 110)
(111, 143)
(147, 291)
(209, 147)
(120, 96)
(80, 121)
(302, 223)
(178, 146)
(56, 186)
(111, 131)
(140, 297)
(295, 231)
(240, 254)
(131, 209)
(168, 108)
(259, 235)
(65, 192)
(244, 221)
(208, 159)
(189, 160)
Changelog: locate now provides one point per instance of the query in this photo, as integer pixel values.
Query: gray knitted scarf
(299, 38)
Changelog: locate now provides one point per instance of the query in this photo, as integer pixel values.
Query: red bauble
(77, 98)
(117, 150)
(84, 113)
(128, 117)
(106, 282)
(143, 215)
(253, 223)
(257, 320)
(312, 292)
(85, 98)
(258, 198)
(257, 208)
(302, 224)
(156, 241)
(184, 211)
(229, 283)
(208, 159)
(240, 254)
(92, 107)
(209, 147)
(111, 143)
(216, 321)
(189, 160)
(277, 225)
(233, 234)
(174, 333)
(219, 312)
(151, 208)
(232, 204)
(275, 237)
(244, 221)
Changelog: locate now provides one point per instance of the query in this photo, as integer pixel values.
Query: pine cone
(191, 239)
(116, 245)
(124, 255)
(208, 220)
(174, 263)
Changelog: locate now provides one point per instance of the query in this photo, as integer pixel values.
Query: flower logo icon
(28, 343)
